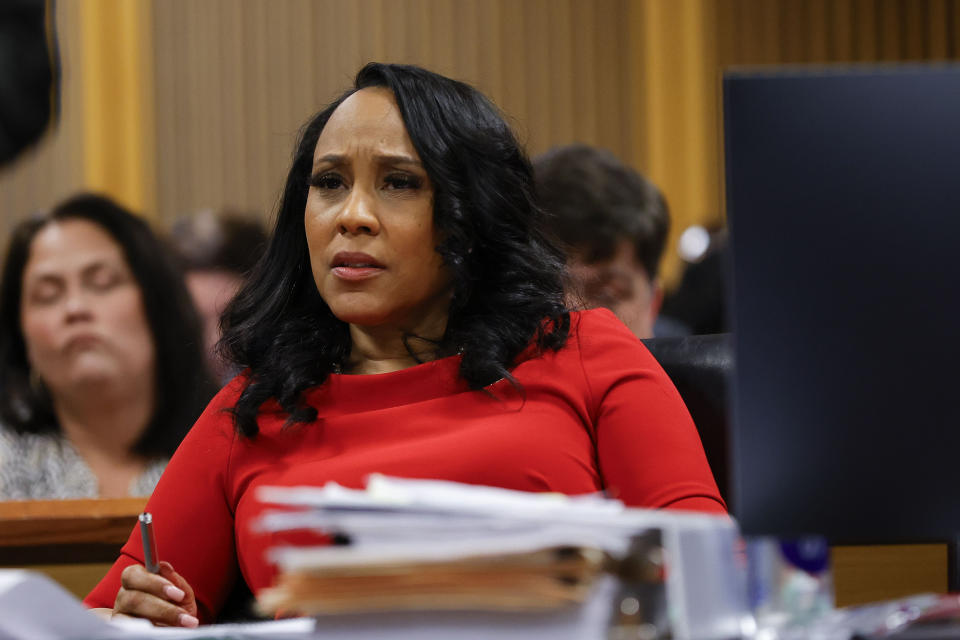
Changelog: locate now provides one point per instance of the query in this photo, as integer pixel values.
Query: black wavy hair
(508, 285)
(183, 386)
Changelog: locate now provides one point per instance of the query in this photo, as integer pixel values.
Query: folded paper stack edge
(530, 581)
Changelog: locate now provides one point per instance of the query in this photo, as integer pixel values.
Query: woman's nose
(77, 305)
(359, 214)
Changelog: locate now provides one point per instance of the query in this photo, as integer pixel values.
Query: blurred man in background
(216, 252)
(613, 224)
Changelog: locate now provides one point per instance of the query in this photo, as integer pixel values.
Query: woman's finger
(145, 605)
(137, 578)
(156, 596)
(179, 583)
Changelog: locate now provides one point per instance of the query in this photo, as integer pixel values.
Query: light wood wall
(235, 81)
(177, 105)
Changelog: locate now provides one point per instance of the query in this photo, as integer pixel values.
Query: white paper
(34, 607)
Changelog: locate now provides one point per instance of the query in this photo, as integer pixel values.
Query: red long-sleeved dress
(600, 414)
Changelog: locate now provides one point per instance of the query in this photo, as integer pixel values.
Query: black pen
(150, 559)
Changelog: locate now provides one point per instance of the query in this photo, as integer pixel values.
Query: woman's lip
(82, 341)
(354, 274)
(354, 259)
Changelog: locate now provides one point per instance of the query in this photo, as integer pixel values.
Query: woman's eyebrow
(398, 159)
(337, 159)
(330, 158)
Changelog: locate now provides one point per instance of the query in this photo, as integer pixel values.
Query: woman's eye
(403, 181)
(326, 181)
(46, 292)
(102, 280)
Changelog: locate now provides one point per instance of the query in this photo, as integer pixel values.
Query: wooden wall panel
(235, 80)
(117, 66)
(811, 31)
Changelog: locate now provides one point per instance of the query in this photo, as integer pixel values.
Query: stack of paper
(438, 545)
(430, 547)
(516, 581)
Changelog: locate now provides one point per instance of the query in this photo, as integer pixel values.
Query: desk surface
(72, 541)
(52, 531)
(48, 522)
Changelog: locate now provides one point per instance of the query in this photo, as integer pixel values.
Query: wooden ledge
(33, 523)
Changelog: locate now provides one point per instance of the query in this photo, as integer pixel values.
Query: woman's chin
(361, 317)
(96, 378)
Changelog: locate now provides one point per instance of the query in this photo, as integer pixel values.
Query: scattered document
(34, 607)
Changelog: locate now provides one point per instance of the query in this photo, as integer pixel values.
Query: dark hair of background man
(594, 202)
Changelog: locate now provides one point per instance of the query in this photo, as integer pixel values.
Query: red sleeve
(649, 451)
(193, 519)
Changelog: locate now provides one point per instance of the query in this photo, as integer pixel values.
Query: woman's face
(82, 311)
(369, 220)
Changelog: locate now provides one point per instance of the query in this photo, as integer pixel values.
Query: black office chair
(701, 368)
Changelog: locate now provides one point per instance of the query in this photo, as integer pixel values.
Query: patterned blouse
(46, 466)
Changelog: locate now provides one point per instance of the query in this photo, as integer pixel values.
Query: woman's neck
(386, 349)
(103, 427)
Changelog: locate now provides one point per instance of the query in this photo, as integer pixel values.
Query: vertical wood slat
(819, 31)
(636, 95)
(935, 30)
(726, 33)
(889, 34)
(770, 42)
(840, 20)
(652, 133)
(711, 204)
(514, 99)
(865, 17)
(118, 124)
(583, 63)
(443, 35)
(954, 22)
(163, 79)
(490, 48)
(558, 32)
(913, 23)
(233, 148)
(609, 48)
(626, 76)
(538, 113)
(794, 36)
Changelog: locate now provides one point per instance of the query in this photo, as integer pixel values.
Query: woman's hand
(164, 598)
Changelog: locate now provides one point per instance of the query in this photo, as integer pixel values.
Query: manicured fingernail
(173, 593)
(188, 620)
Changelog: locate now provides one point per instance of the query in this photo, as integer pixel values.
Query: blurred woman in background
(101, 355)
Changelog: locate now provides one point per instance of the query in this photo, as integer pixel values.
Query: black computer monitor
(843, 199)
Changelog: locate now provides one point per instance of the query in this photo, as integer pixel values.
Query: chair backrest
(701, 368)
